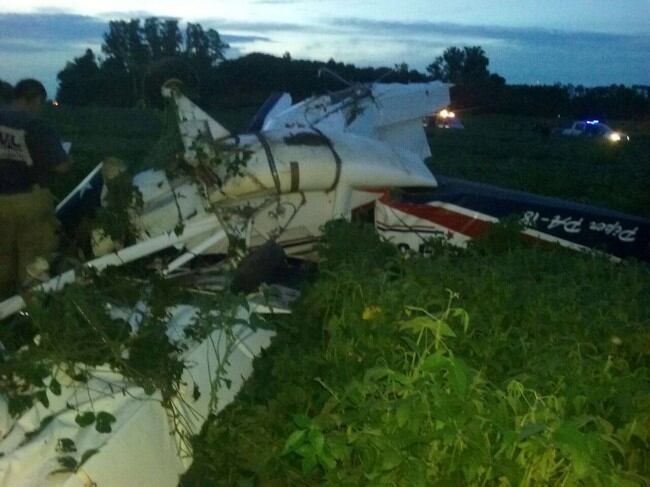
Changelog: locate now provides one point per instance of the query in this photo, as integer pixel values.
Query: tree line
(133, 52)
(137, 56)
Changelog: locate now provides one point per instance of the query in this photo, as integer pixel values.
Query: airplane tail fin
(194, 123)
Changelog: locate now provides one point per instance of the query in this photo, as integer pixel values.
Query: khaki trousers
(28, 229)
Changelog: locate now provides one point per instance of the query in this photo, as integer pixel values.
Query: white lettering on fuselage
(575, 225)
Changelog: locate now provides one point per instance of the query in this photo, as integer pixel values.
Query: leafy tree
(115, 45)
(125, 45)
(170, 39)
(116, 85)
(79, 80)
(134, 49)
(153, 37)
(475, 66)
(467, 69)
(461, 66)
(204, 48)
(6, 91)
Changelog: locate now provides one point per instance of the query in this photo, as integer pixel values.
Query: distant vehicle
(595, 129)
(444, 119)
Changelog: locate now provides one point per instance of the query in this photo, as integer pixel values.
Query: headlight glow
(614, 137)
(444, 113)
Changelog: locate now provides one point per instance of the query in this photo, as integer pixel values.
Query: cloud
(459, 31)
(243, 39)
(38, 45)
(131, 14)
(272, 2)
(223, 25)
(522, 55)
(50, 29)
(41, 43)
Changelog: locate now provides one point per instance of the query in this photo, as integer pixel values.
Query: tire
(257, 267)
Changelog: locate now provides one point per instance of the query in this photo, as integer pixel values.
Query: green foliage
(133, 52)
(460, 66)
(533, 372)
(107, 324)
(125, 133)
(511, 153)
(113, 217)
(546, 384)
(6, 92)
(168, 150)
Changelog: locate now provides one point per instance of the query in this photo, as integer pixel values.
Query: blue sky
(591, 42)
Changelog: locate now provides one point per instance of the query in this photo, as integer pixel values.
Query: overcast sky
(590, 42)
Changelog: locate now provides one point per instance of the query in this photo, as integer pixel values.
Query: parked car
(595, 129)
(444, 119)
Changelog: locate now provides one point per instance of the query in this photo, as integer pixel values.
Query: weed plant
(504, 365)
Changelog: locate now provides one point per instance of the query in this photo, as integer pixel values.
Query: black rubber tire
(258, 266)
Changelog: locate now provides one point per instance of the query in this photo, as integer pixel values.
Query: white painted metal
(145, 448)
(80, 187)
(14, 304)
(211, 241)
(283, 103)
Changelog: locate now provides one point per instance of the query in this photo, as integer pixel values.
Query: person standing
(30, 155)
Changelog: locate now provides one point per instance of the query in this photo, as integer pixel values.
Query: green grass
(534, 374)
(508, 152)
(96, 133)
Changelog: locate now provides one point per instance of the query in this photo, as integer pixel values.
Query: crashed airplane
(298, 167)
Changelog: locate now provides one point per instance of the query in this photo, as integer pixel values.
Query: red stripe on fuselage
(442, 216)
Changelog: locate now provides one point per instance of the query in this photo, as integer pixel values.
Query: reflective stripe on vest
(13, 146)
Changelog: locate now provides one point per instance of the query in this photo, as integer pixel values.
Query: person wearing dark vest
(31, 154)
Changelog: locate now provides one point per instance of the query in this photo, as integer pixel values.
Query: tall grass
(511, 152)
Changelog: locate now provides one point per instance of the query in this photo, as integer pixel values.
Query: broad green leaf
(459, 375)
(19, 403)
(67, 462)
(436, 326)
(531, 429)
(435, 362)
(55, 387)
(42, 397)
(296, 438)
(338, 447)
(417, 324)
(87, 454)
(326, 460)
(65, 445)
(103, 422)
(403, 413)
(390, 459)
(309, 463)
(302, 421)
(317, 440)
(85, 419)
